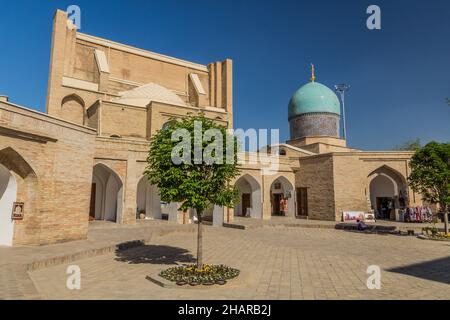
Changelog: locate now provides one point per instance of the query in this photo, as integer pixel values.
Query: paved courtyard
(276, 263)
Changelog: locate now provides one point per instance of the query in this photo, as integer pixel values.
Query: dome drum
(315, 124)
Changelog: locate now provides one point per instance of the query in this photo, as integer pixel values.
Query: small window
(282, 152)
(115, 136)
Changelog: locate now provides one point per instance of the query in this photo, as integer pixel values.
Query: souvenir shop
(416, 214)
(388, 211)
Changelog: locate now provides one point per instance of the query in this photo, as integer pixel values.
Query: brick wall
(57, 191)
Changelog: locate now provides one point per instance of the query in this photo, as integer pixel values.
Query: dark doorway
(245, 204)
(386, 208)
(302, 202)
(92, 206)
(276, 204)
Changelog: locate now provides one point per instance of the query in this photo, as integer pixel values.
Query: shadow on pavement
(154, 254)
(436, 270)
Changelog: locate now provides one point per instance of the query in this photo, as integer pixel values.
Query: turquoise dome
(314, 97)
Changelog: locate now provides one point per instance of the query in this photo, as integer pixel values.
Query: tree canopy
(411, 145)
(430, 174)
(194, 168)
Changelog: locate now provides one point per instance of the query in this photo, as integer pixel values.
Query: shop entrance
(282, 197)
(387, 190)
(276, 204)
(386, 208)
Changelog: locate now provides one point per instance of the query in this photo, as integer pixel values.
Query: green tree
(411, 145)
(192, 161)
(430, 175)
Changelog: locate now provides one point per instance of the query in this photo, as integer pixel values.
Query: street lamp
(341, 89)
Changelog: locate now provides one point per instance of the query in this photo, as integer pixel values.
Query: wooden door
(92, 206)
(276, 204)
(302, 202)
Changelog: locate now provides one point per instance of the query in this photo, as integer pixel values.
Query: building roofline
(407, 154)
(46, 117)
(140, 52)
(294, 148)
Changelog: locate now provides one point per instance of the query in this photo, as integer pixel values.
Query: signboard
(352, 216)
(369, 217)
(17, 211)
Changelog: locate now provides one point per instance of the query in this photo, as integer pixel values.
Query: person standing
(283, 206)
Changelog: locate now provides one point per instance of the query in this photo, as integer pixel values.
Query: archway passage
(387, 192)
(148, 201)
(250, 204)
(106, 195)
(18, 182)
(8, 194)
(282, 197)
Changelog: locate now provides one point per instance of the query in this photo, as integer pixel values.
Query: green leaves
(430, 172)
(198, 183)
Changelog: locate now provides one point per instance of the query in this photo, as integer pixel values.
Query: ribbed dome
(314, 97)
(143, 95)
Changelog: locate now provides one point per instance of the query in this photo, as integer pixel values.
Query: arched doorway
(250, 197)
(387, 192)
(8, 193)
(282, 190)
(148, 200)
(106, 195)
(18, 182)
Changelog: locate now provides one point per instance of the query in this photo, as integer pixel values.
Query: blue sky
(399, 75)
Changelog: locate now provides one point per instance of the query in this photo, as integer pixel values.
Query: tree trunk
(200, 241)
(446, 219)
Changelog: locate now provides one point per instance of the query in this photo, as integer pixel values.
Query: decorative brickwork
(314, 124)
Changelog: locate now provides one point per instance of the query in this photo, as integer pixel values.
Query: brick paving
(276, 263)
(102, 238)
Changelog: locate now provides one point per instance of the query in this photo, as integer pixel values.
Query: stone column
(173, 211)
(130, 193)
(266, 205)
(218, 216)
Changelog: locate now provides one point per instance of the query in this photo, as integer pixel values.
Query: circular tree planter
(434, 238)
(209, 275)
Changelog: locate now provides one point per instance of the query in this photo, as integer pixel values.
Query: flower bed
(208, 275)
(432, 233)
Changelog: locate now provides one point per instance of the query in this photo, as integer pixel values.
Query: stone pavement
(276, 263)
(103, 237)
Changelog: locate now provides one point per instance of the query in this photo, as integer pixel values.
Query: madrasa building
(84, 158)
